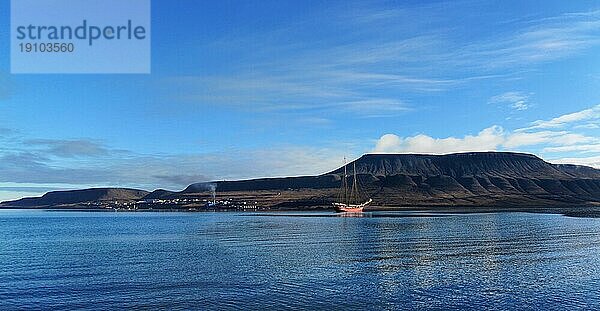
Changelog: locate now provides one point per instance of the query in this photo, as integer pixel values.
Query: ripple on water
(232, 261)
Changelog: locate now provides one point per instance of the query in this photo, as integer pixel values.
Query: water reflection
(398, 214)
(301, 261)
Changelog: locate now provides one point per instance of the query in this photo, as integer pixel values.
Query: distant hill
(392, 180)
(159, 194)
(79, 196)
(282, 183)
(578, 170)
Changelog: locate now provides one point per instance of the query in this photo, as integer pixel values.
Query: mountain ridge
(78, 196)
(469, 179)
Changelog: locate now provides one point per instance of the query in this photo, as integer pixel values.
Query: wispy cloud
(372, 108)
(593, 161)
(580, 148)
(590, 114)
(81, 162)
(543, 40)
(68, 148)
(589, 126)
(515, 100)
(287, 94)
(30, 167)
(377, 52)
(530, 43)
(562, 138)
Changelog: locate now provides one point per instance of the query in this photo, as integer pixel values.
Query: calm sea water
(89, 260)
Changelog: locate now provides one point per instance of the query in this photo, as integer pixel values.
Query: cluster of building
(191, 204)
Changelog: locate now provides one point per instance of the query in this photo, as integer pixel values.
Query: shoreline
(585, 211)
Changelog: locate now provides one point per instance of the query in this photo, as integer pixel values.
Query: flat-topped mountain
(392, 180)
(478, 178)
(501, 164)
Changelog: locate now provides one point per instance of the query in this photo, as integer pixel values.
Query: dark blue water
(87, 260)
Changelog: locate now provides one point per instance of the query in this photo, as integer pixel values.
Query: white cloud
(589, 126)
(376, 54)
(579, 148)
(590, 114)
(515, 100)
(174, 171)
(69, 148)
(519, 139)
(375, 107)
(388, 143)
(587, 161)
(488, 139)
(496, 138)
(298, 92)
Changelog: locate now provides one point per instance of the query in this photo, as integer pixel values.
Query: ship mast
(350, 198)
(349, 194)
(344, 192)
(345, 183)
(354, 191)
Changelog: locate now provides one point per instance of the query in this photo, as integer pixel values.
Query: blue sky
(243, 89)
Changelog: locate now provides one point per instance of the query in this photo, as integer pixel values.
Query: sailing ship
(350, 197)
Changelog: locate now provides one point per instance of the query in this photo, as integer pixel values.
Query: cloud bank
(552, 136)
